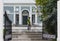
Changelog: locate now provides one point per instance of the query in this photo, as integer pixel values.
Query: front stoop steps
(27, 36)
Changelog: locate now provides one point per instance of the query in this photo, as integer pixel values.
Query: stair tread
(31, 40)
(33, 36)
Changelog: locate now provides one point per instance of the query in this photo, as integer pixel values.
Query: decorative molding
(19, 4)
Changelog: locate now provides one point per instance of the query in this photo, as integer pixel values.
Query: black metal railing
(7, 28)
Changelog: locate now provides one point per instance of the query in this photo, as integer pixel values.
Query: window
(33, 18)
(9, 9)
(10, 12)
(11, 17)
(17, 19)
(25, 7)
(33, 9)
(17, 9)
(17, 15)
(38, 18)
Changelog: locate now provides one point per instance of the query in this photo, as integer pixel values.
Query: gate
(7, 28)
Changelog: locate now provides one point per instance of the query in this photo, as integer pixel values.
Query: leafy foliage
(49, 13)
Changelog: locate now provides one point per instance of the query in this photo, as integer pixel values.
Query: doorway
(25, 20)
(25, 15)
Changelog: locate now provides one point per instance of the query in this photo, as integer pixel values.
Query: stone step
(31, 36)
(26, 36)
(34, 35)
(25, 25)
(20, 40)
(41, 40)
(27, 33)
(28, 40)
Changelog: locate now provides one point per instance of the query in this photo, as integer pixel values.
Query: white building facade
(19, 10)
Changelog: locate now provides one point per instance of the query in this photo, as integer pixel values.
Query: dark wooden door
(25, 20)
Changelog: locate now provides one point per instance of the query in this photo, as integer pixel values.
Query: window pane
(17, 19)
(33, 9)
(25, 7)
(38, 19)
(17, 9)
(33, 18)
(11, 17)
(8, 8)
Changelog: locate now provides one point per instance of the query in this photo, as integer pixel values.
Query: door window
(17, 19)
(33, 18)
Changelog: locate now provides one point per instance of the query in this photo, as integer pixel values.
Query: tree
(42, 4)
(49, 13)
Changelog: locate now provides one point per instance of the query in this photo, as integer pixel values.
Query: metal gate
(7, 28)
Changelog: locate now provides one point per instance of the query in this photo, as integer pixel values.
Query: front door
(25, 15)
(25, 20)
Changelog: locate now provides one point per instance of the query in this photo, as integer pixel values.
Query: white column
(58, 30)
(20, 16)
(30, 14)
(1, 20)
(36, 18)
(14, 15)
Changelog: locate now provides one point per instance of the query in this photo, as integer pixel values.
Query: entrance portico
(25, 15)
(18, 12)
